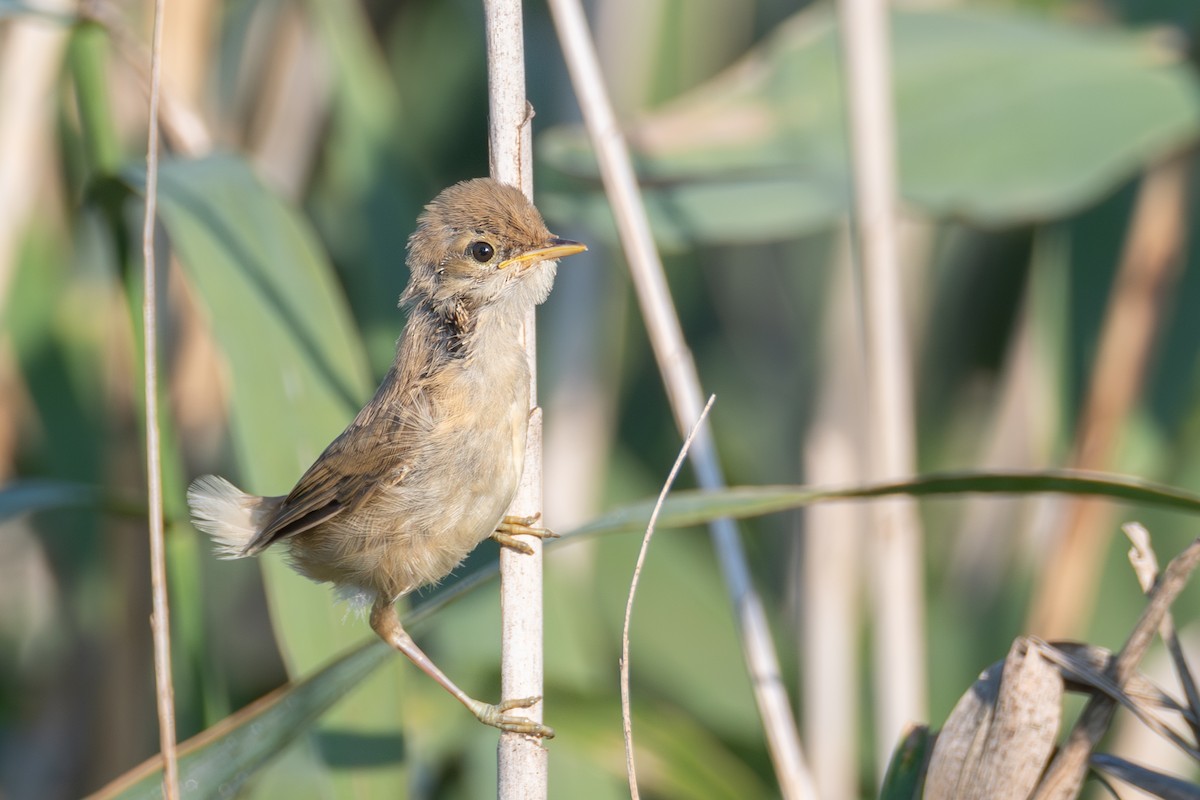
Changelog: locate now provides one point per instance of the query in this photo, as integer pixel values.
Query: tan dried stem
(1066, 772)
(1149, 268)
(683, 388)
(831, 568)
(1145, 566)
(898, 614)
(1087, 667)
(179, 122)
(522, 760)
(160, 620)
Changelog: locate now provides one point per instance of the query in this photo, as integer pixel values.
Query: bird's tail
(226, 513)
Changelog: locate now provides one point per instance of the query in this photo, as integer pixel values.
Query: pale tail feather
(225, 513)
(358, 600)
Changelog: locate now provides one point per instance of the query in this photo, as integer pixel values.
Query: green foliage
(217, 765)
(1003, 118)
(1027, 123)
(297, 374)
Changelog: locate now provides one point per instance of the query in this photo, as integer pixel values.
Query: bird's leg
(511, 527)
(386, 622)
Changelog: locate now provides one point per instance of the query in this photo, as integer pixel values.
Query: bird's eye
(481, 252)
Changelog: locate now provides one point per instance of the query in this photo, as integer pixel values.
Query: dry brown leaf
(1001, 733)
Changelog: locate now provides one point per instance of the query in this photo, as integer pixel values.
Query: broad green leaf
(666, 644)
(296, 369)
(297, 375)
(675, 757)
(29, 496)
(1003, 118)
(368, 188)
(217, 762)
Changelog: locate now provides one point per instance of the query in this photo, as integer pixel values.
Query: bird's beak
(557, 248)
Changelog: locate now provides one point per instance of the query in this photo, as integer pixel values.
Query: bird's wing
(370, 454)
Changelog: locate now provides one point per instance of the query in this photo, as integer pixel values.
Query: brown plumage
(426, 470)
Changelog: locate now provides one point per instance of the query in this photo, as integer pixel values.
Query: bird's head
(483, 242)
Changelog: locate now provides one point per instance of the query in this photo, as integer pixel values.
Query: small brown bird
(427, 469)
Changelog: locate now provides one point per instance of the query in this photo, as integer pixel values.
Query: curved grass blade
(696, 507)
(216, 762)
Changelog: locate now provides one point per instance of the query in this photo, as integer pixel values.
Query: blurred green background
(1037, 140)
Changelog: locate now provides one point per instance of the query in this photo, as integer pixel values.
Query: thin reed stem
(522, 760)
(160, 621)
(898, 614)
(683, 389)
(626, 708)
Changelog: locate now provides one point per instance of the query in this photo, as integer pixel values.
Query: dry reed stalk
(1145, 564)
(1148, 271)
(188, 49)
(178, 121)
(832, 547)
(522, 760)
(1066, 772)
(30, 61)
(288, 119)
(29, 67)
(683, 388)
(898, 612)
(160, 620)
(1015, 438)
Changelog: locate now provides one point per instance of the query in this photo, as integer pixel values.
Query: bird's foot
(497, 716)
(511, 527)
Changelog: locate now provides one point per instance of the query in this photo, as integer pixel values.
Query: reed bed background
(1042, 212)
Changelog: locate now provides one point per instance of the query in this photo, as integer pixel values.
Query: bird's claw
(496, 716)
(511, 527)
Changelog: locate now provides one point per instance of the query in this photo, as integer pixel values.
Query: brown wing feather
(370, 454)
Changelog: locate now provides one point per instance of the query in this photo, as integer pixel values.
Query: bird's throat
(454, 324)
(454, 329)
